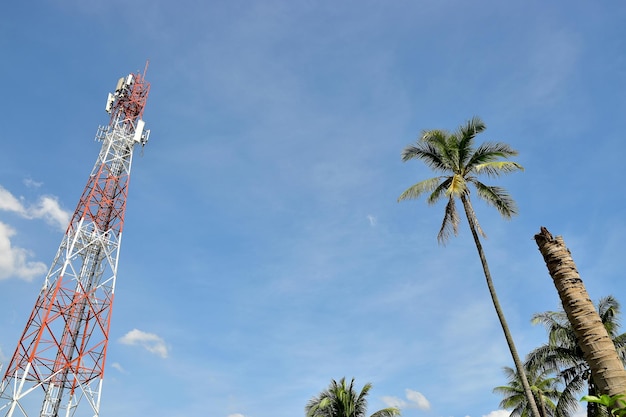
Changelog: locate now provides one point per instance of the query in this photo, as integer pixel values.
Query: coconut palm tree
(605, 366)
(563, 357)
(460, 163)
(543, 387)
(342, 400)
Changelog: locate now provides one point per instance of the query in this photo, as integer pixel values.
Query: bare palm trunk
(598, 349)
(471, 217)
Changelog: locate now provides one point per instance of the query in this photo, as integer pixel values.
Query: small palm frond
(439, 191)
(466, 135)
(490, 152)
(549, 319)
(360, 404)
(497, 197)
(320, 406)
(620, 345)
(497, 168)
(608, 309)
(420, 188)
(450, 222)
(427, 152)
(437, 137)
(560, 332)
(543, 357)
(444, 145)
(387, 412)
(567, 404)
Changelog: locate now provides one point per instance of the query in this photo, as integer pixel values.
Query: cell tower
(58, 366)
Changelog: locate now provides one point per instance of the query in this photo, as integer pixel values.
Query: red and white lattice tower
(58, 366)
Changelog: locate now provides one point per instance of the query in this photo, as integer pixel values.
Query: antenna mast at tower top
(58, 366)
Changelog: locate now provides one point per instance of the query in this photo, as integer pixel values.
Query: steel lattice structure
(58, 366)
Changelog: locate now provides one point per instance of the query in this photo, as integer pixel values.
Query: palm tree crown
(562, 355)
(342, 400)
(543, 387)
(454, 155)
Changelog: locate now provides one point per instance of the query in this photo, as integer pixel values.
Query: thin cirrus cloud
(149, 341)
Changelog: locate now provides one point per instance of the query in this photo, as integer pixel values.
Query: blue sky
(264, 251)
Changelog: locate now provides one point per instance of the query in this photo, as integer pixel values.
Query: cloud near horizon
(498, 413)
(149, 341)
(414, 399)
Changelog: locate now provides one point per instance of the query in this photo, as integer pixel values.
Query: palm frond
(620, 345)
(567, 404)
(466, 134)
(550, 319)
(445, 145)
(497, 168)
(490, 152)
(450, 222)
(428, 153)
(497, 197)
(439, 191)
(437, 137)
(387, 412)
(319, 406)
(420, 188)
(608, 309)
(560, 331)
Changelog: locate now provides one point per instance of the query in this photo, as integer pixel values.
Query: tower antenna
(58, 366)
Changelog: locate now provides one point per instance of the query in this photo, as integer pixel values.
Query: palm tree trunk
(542, 404)
(471, 218)
(598, 349)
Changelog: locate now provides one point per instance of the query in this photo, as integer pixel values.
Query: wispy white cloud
(119, 367)
(498, 413)
(47, 208)
(30, 183)
(14, 261)
(371, 219)
(149, 341)
(8, 202)
(236, 415)
(414, 399)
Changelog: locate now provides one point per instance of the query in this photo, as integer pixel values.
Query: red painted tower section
(58, 366)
